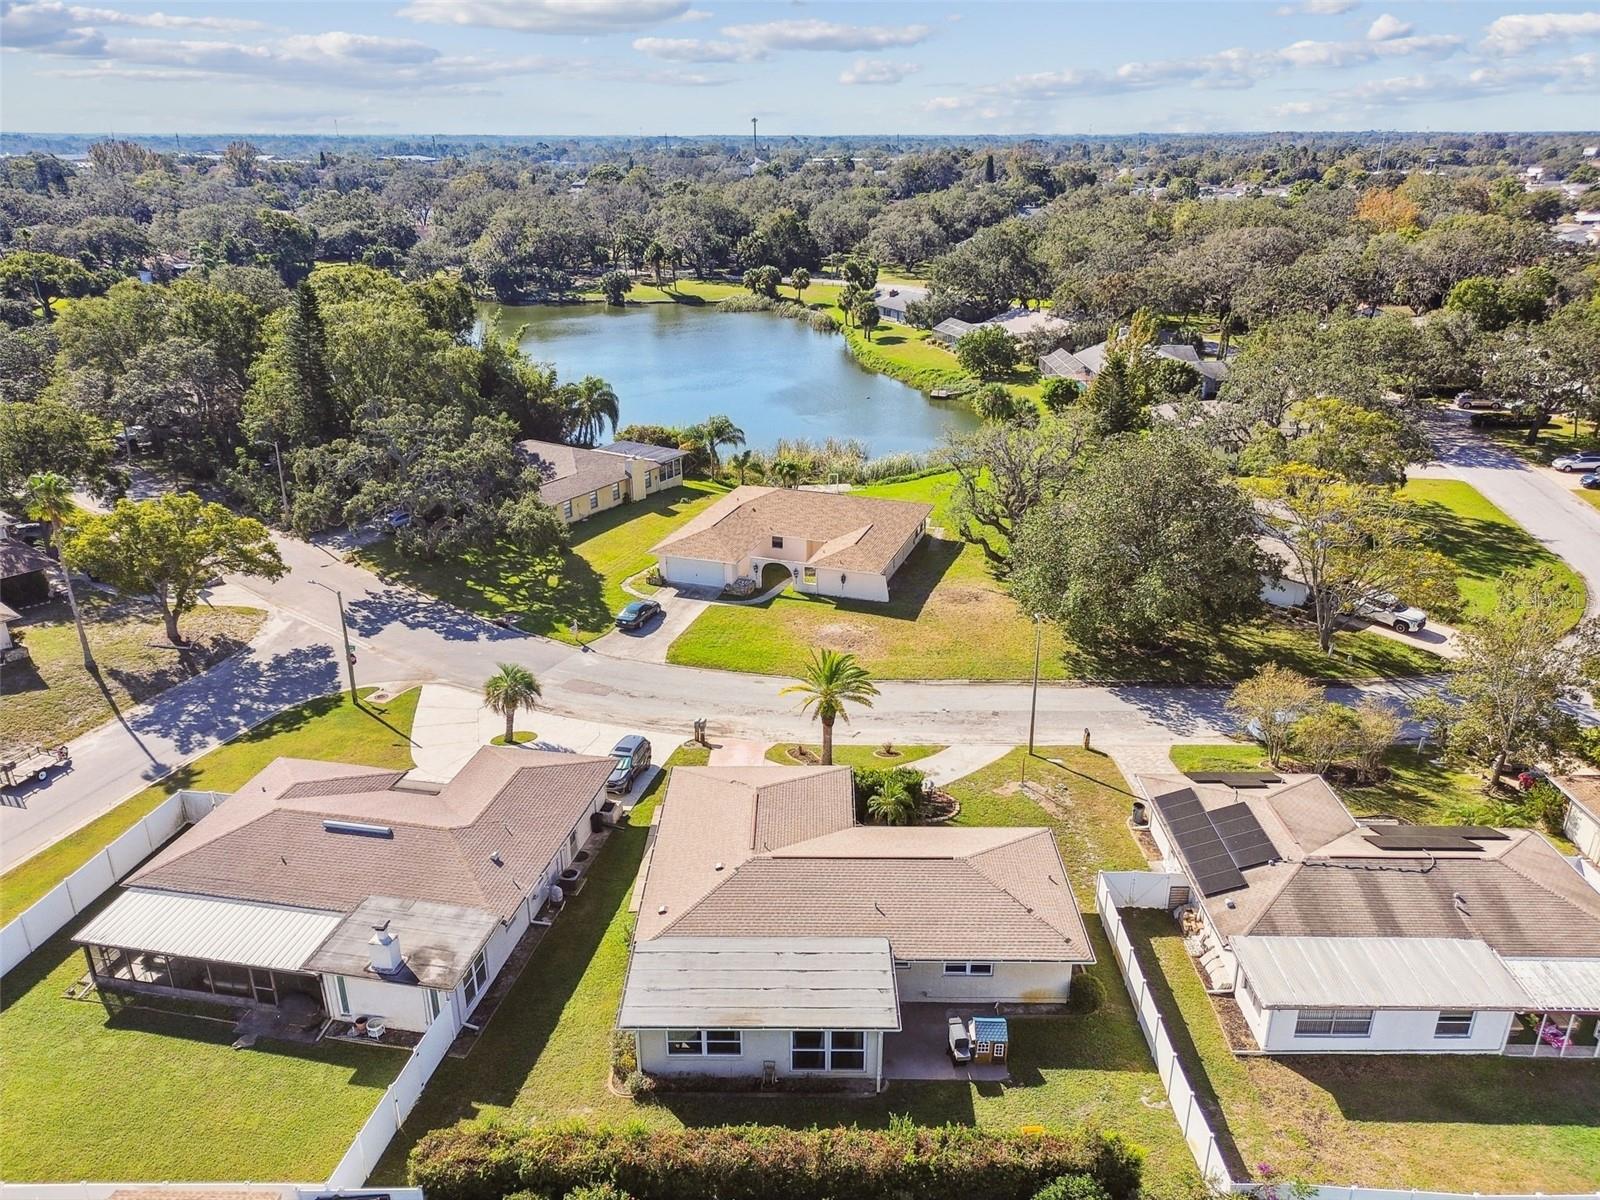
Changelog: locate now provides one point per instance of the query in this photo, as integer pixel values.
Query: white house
(891, 300)
(831, 543)
(352, 888)
(1083, 365)
(1582, 821)
(777, 937)
(1338, 936)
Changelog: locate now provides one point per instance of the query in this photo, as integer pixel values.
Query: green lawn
(546, 1054)
(848, 754)
(52, 699)
(1559, 437)
(146, 1094)
(1418, 789)
(330, 728)
(1483, 543)
(1456, 1123)
(582, 583)
(946, 590)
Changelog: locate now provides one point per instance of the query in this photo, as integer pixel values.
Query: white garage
(694, 572)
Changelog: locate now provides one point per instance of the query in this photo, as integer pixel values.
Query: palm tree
(591, 405)
(800, 278)
(831, 681)
(48, 498)
(893, 804)
(786, 472)
(745, 461)
(655, 254)
(719, 431)
(512, 688)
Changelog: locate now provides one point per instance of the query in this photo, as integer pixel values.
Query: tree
(1060, 394)
(716, 432)
(830, 683)
(1324, 736)
(591, 405)
(46, 436)
(48, 498)
(988, 352)
(616, 285)
(800, 280)
(866, 315)
(763, 281)
(1352, 545)
(744, 462)
(1518, 666)
(655, 255)
(1375, 730)
(1361, 445)
(170, 547)
(1114, 402)
(1005, 471)
(995, 402)
(1150, 543)
(508, 691)
(893, 804)
(1270, 702)
(1479, 297)
(43, 279)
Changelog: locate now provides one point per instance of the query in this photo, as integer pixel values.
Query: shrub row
(487, 1160)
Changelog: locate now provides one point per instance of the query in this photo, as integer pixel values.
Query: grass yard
(1468, 1123)
(330, 728)
(582, 583)
(547, 1053)
(53, 699)
(852, 754)
(946, 590)
(1418, 789)
(147, 1094)
(1559, 437)
(1483, 543)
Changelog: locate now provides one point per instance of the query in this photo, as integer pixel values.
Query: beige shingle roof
(933, 892)
(838, 529)
(572, 471)
(267, 843)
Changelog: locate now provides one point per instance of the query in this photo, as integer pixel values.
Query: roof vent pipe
(384, 949)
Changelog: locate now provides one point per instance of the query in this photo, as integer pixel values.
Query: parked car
(1397, 614)
(31, 532)
(959, 1040)
(633, 757)
(637, 614)
(397, 519)
(1475, 400)
(1591, 480)
(1584, 460)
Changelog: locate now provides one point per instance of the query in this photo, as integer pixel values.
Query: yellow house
(580, 481)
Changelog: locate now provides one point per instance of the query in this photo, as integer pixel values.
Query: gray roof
(571, 471)
(437, 941)
(1558, 984)
(19, 558)
(233, 931)
(954, 327)
(660, 454)
(760, 983)
(1063, 364)
(1376, 972)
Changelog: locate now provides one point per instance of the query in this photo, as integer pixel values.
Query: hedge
(488, 1160)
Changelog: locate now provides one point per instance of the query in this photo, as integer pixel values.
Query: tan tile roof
(933, 892)
(267, 842)
(1584, 788)
(572, 471)
(840, 529)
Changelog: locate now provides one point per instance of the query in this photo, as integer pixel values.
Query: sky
(687, 67)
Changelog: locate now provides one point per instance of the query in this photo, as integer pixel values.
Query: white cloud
(1318, 8)
(547, 16)
(49, 28)
(827, 35)
(696, 14)
(161, 20)
(1353, 54)
(1388, 27)
(1518, 33)
(876, 71)
(697, 50)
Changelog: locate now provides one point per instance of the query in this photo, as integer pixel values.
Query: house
(1020, 322)
(952, 329)
(1083, 365)
(9, 650)
(1336, 935)
(353, 889)
(891, 301)
(24, 574)
(777, 937)
(832, 543)
(1582, 820)
(580, 481)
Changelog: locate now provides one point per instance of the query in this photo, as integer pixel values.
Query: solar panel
(1208, 860)
(1247, 843)
(1236, 779)
(1413, 839)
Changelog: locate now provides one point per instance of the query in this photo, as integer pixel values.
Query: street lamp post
(344, 628)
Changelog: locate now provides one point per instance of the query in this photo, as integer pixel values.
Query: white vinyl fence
(53, 911)
(397, 1102)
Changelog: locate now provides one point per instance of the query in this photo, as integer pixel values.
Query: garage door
(693, 572)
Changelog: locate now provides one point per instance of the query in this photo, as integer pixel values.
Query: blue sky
(546, 67)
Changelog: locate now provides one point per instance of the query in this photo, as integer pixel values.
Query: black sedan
(1591, 480)
(638, 614)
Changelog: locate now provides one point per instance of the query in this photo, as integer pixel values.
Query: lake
(675, 365)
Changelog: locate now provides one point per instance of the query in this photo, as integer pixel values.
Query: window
(566, 510)
(616, 488)
(477, 976)
(828, 1050)
(724, 1041)
(1453, 1025)
(572, 842)
(810, 576)
(1333, 1022)
(683, 1043)
(777, 542)
(968, 968)
(594, 501)
(649, 480)
(693, 1043)
(344, 996)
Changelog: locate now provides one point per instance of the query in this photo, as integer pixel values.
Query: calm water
(673, 365)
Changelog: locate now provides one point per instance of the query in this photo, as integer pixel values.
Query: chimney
(384, 949)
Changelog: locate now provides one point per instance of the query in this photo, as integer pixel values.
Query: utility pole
(755, 146)
(344, 628)
(283, 487)
(1033, 706)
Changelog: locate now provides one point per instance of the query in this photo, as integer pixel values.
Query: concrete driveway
(679, 608)
(921, 1049)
